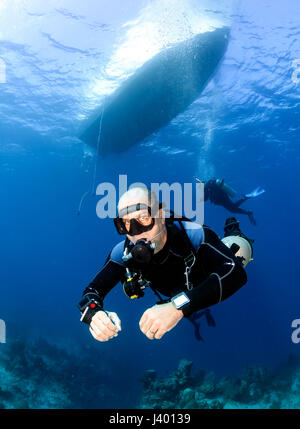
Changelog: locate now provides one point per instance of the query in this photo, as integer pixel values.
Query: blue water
(61, 61)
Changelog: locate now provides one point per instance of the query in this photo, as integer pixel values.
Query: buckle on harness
(189, 262)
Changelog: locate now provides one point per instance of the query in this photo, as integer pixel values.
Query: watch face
(181, 300)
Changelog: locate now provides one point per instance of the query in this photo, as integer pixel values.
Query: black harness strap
(188, 255)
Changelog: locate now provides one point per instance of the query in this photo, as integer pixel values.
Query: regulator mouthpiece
(143, 251)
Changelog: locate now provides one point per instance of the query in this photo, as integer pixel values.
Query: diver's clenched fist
(159, 319)
(105, 325)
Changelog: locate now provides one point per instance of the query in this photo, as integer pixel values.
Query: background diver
(219, 193)
(182, 260)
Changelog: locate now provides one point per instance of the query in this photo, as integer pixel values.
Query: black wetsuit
(215, 275)
(214, 192)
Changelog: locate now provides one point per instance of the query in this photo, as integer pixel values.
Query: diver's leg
(241, 201)
(239, 210)
(228, 204)
(251, 218)
(249, 213)
(234, 208)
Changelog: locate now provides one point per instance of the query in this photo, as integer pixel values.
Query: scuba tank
(226, 188)
(240, 245)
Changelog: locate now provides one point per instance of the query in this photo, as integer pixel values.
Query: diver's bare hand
(159, 319)
(102, 328)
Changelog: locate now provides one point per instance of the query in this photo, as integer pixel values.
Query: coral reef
(256, 387)
(41, 375)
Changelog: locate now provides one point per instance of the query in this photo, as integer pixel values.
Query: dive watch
(180, 300)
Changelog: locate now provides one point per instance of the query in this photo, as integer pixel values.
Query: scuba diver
(219, 193)
(180, 259)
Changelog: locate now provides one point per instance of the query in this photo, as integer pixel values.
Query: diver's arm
(110, 274)
(103, 325)
(225, 274)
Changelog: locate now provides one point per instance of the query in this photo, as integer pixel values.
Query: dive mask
(135, 226)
